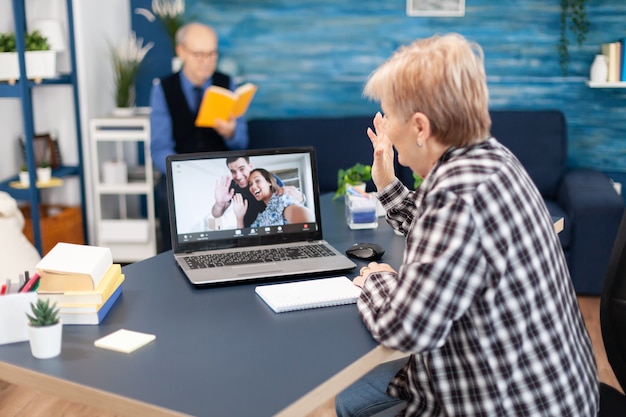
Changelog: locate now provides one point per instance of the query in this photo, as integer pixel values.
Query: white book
(301, 295)
(73, 267)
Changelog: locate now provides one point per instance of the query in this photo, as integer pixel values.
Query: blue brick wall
(312, 57)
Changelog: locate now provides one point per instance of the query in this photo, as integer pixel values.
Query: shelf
(126, 188)
(14, 90)
(21, 193)
(21, 90)
(124, 213)
(54, 182)
(596, 84)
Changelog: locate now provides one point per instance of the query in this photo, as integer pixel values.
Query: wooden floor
(17, 401)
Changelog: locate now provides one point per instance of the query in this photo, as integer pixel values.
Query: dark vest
(187, 136)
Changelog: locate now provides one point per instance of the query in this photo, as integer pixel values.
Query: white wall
(96, 24)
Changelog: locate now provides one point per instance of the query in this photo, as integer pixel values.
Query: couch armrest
(595, 211)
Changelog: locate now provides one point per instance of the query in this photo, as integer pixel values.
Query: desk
(219, 351)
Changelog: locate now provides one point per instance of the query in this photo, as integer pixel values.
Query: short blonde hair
(442, 77)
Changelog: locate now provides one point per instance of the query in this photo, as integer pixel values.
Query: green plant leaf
(356, 174)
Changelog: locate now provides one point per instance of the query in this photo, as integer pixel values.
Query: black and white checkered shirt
(483, 298)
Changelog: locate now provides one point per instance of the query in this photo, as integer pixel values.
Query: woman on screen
(279, 210)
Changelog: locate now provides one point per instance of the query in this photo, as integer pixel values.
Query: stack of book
(82, 280)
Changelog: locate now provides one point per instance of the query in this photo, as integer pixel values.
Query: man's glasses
(201, 55)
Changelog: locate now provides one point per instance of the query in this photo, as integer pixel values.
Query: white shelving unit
(124, 216)
(606, 84)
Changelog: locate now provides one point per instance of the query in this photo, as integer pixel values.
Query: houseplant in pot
(45, 330)
(357, 175)
(44, 172)
(24, 176)
(40, 60)
(126, 60)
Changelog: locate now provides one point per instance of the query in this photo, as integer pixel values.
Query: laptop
(280, 239)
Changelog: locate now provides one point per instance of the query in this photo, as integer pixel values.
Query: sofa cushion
(544, 157)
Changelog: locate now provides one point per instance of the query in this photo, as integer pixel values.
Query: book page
(246, 93)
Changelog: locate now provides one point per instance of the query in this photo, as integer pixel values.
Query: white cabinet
(123, 187)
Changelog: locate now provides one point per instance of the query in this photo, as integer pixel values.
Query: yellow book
(97, 296)
(91, 307)
(612, 52)
(221, 103)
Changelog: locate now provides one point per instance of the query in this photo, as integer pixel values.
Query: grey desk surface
(218, 351)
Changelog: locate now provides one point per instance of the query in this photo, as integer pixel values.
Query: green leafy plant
(573, 19)
(356, 174)
(33, 41)
(24, 168)
(43, 314)
(417, 181)
(127, 59)
(44, 164)
(7, 42)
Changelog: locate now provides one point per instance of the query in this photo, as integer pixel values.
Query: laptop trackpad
(247, 270)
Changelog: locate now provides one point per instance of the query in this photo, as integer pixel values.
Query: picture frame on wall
(435, 7)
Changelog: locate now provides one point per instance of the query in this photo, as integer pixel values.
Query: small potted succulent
(24, 176)
(357, 175)
(44, 172)
(45, 329)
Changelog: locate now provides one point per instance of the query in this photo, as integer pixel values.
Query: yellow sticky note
(124, 340)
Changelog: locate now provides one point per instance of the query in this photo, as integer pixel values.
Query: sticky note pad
(124, 340)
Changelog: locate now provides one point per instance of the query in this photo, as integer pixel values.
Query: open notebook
(267, 243)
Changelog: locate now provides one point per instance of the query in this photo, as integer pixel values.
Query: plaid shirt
(483, 299)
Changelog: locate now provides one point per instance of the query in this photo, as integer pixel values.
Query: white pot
(114, 172)
(9, 66)
(123, 111)
(45, 342)
(24, 178)
(44, 174)
(361, 186)
(39, 65)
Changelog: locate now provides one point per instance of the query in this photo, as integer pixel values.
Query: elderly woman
(483, 300)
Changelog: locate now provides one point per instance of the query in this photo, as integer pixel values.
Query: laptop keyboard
(257, 256)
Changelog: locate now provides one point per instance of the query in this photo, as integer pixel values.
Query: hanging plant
(574, 20)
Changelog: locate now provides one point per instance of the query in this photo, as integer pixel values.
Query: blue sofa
(585, 198)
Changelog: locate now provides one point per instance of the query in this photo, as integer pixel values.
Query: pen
(30, 284)
(23, 281)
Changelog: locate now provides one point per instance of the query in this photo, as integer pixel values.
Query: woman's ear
(421, 125)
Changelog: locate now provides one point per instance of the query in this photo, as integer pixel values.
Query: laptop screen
(242, 198)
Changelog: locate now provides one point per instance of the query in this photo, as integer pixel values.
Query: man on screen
(237, 183)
